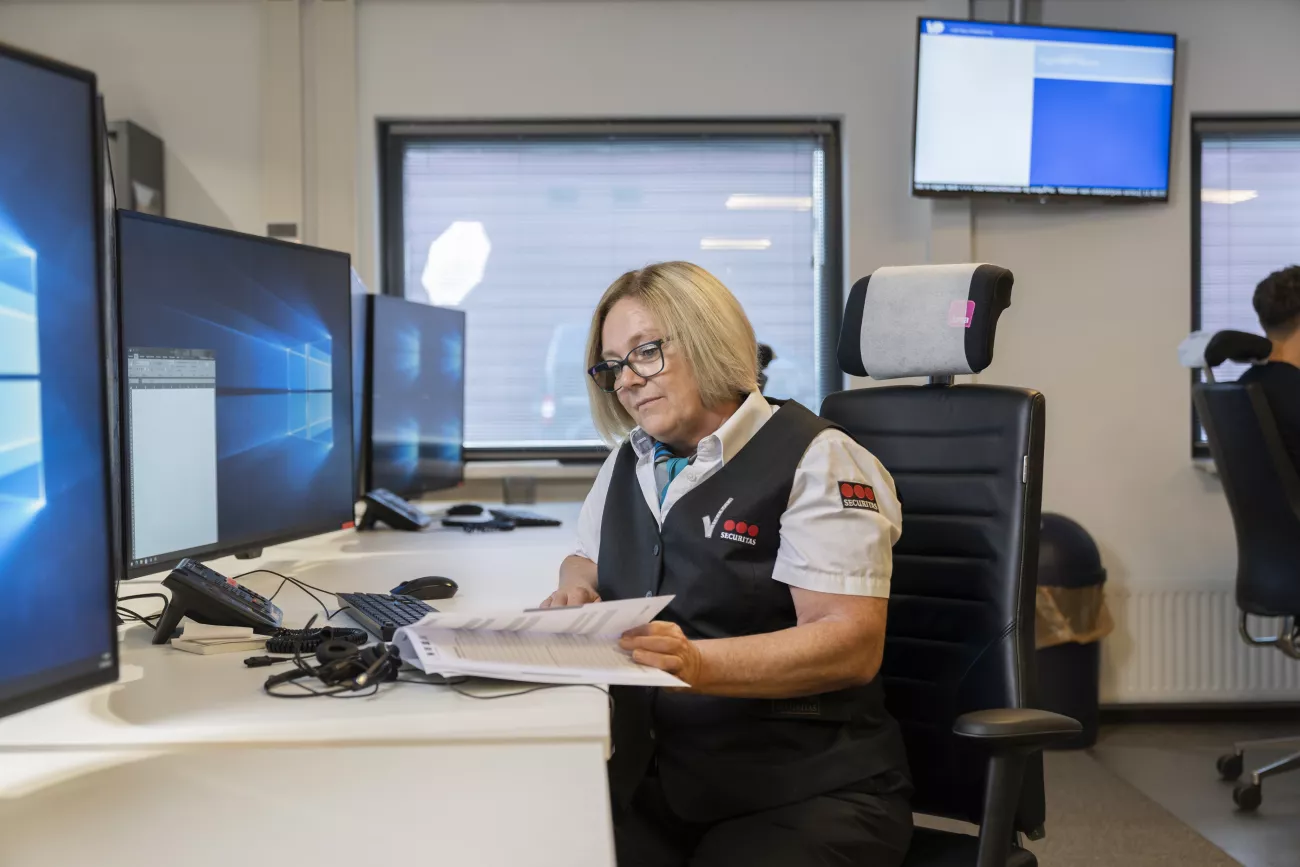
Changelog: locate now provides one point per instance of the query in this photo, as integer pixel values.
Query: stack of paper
(552, 645)
(205, 639)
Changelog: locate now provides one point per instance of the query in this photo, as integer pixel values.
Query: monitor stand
(250, 554)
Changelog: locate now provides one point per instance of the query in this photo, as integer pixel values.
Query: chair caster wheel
(1229, 766)
(1247, 796)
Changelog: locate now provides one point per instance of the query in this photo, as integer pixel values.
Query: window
(1245, 221)
(22, 464)
(523, 226)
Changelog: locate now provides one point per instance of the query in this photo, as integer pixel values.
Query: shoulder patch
(856, 495)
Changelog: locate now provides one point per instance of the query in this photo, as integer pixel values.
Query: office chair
(967, 461)
(1263, 491)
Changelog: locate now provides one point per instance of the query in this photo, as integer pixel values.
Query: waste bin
(1071, 619)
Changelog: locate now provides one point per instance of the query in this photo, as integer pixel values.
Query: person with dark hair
(1277, 302)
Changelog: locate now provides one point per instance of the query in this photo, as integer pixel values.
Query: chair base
(1287, 639)
(933, 848)
(1249, 795)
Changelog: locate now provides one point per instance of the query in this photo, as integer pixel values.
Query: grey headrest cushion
(923, 320)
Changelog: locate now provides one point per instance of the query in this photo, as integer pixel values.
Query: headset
(342, 664)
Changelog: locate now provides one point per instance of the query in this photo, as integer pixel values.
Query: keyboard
(381, 615)
(523, 518)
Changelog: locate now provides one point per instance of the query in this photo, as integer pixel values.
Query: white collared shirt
(826, 545)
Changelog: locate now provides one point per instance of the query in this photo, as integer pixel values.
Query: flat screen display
(1013, 109)
(238, 390)
(58, 548)
(417, 396)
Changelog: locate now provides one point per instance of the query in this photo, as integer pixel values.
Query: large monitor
(58, 550)
(415, 375)
(1020, 110)
(237, 397)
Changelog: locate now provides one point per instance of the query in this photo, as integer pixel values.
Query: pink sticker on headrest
(961, 314)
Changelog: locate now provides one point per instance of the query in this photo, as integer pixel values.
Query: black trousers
(867, 826)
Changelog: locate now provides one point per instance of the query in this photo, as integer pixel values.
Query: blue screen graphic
(56, 552)
(277, 427)
(417, 396)
(1006, 108)
(1100, 134)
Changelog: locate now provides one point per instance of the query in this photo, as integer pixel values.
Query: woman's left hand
(662, 645)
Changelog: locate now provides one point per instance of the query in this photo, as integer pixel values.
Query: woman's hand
(663, 645)
(576, 594)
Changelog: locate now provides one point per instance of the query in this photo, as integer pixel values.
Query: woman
(773, 531)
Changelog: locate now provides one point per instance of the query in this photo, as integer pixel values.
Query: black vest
(721, 757)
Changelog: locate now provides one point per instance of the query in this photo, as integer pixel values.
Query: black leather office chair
(967, 461)
(1263, 491)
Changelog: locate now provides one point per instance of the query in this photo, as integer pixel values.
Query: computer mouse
(433, 587)
(462, 509)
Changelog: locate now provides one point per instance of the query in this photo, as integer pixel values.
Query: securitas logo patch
(733, 531)
(855, 495)
(739, 531)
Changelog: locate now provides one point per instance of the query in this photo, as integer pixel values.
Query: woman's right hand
(577, 594)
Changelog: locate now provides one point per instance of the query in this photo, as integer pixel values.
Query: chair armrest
(1010, 735)
(1018, 729)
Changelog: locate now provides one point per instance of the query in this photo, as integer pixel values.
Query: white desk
(157, 762)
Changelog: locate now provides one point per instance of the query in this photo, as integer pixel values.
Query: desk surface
(168, 699)
(182, 737)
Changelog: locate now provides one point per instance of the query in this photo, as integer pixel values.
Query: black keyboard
(522, 518)
(381, 615)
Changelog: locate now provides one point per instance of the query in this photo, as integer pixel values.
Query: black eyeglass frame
(617, 366)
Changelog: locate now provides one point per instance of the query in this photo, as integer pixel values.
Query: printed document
(578, 644)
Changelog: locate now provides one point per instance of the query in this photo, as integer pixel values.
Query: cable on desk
(148, 619)
(301, 585)
(138, 617)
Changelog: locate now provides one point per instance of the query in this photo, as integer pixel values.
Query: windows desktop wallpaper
(55, 525)
(277, 317)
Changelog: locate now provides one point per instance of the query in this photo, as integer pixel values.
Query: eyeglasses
(646, 360)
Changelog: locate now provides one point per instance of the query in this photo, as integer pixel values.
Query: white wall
(188, 72)
(851, 60)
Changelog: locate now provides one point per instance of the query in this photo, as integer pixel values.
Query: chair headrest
(1206, 349)
(923, 320)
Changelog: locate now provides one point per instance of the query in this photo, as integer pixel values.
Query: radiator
(1182, 646)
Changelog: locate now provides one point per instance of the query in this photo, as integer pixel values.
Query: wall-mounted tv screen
(1022, 110)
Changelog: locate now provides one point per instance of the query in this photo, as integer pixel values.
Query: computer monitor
(360, 328)
(237, 403)
(1034, 111)
(415, 376)
(59, 557)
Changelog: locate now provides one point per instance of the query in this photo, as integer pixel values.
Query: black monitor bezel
(442, 483)
(1038, 197)
(78, 679)
(254, 544)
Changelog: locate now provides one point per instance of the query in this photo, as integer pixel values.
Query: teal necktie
(673, 466)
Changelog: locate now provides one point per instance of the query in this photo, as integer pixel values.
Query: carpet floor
(1096, 819)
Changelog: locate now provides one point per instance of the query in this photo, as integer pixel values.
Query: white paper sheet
(554, 645)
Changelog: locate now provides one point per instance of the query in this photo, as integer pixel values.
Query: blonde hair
(706, 323)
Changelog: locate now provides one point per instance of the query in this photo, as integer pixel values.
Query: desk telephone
(382, 505)
(206, 596)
